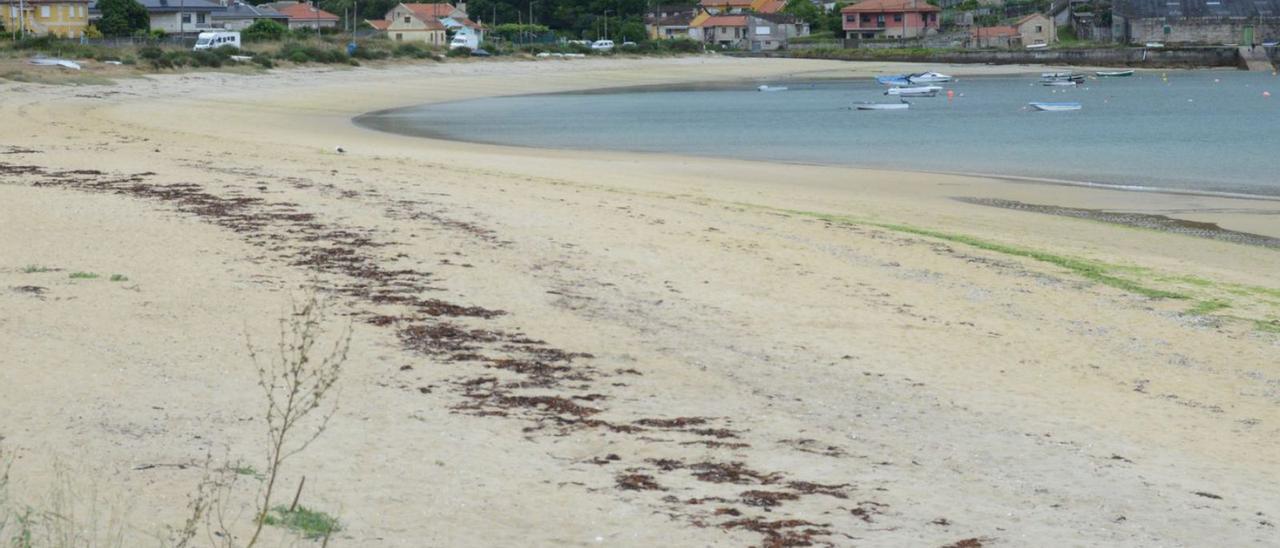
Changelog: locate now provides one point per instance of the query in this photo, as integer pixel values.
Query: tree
(264, 30)
(123, 17)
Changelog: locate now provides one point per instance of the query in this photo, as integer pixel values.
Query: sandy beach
(554, 347)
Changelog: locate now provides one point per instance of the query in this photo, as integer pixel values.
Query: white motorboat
(771, 88)
(915, 91)
(928, 78)
(882, 106)
(1071, 83)
(64, 63)
(1054, 107)
(1114, 73)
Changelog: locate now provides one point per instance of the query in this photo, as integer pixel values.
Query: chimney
(462, 7)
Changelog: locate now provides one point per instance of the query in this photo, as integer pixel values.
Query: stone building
(1241, 22)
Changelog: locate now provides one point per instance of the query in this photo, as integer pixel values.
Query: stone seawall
(1117, 57)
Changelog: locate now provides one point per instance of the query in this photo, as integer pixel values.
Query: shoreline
(563, 348)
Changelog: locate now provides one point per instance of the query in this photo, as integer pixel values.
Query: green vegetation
(83, 276)
(1208, 307)
(1091, 270)
(1267, 326)
(36, 269)
(264, 30)
(123, 18)
(119, 278)
(311, 524)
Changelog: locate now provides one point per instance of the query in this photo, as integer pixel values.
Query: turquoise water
(1211, 131)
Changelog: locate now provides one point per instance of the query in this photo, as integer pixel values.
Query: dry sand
(840, 383)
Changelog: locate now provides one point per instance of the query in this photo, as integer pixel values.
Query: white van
(211, 40)
(465, 38)
(602, 45)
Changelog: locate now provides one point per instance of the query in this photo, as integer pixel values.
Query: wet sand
(559, 347)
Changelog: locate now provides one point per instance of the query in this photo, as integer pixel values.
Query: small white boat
(1037, 46)
(928, 78)
(1071, 83)
(1055, 107)
(894, 80)
(771, 88)
(916, 91)
(41, 62)
(1114, 73)
(882, 106)
(1155, 44)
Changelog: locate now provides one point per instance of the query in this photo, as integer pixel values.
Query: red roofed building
(427, 23)
(994, 37)
(305, 16)
(724, 30)
(890, 19)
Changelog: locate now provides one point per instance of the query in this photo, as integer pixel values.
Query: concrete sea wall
(1108, 57)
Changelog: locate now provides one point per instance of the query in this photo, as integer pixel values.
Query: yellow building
(61, 18)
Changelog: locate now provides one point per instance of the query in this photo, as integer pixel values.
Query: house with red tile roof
(890, 19)
(303, 15)
(427, 23)
(1036, 28)
(994, 37)
(416, 23)
(726, 7)
(754, 31)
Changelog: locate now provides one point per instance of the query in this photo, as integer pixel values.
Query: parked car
(211, 40)
(602, 45)
(628, 44)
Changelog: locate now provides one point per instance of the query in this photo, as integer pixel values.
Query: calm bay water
(1201, 130)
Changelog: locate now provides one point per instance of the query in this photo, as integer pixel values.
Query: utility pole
(606, 24)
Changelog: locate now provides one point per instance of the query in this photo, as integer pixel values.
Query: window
(851, 18)
(1039, 28)
(44, 11)
(897, 18)
(866, 18)
(880, 20)
(200, 18)
(406, 18)
(399, 36)
(186, 18)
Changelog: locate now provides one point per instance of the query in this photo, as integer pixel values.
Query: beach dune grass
(311, 524)
(83, 276)
(36, 269)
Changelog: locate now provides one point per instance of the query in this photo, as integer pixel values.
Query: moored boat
(882, 106)
(1060, 83)
(893, 80)
(928, 78)
(915, 91)
(771, 88)
(1054, 107)
(1114, 73)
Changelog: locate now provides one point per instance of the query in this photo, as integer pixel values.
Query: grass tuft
(36, 269)
(83, 276)
(311, 524)
(119, 278)
(1271, 326)
(1208, 307)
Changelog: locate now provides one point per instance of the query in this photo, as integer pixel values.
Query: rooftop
(890, 6)
(1146, 9)
(724, 21)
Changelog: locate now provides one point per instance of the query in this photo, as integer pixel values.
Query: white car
(602, 45)
(213, 40)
